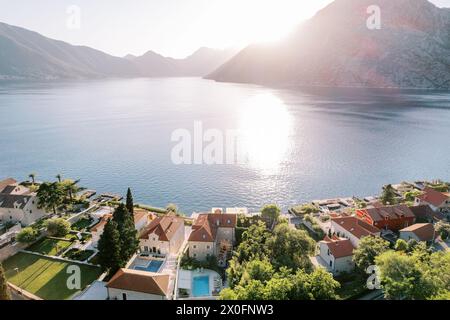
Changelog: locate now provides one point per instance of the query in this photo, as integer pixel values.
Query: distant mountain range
(335, 48)
(26, 54)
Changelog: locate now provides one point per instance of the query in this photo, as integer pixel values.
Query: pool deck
(186, 277)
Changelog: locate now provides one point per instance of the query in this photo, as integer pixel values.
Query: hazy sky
(171, 27)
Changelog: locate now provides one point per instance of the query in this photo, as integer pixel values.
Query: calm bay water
(301, 144)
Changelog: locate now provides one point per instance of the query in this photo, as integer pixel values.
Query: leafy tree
(227, 294)
(109, 251)
(443, 229)
(401, 245)
(27, 235)
(278, 289)
(260, 270)
(418, 275)
(283, 285)
(290, 248)
(399, 275)
(70, 188)
(411, 195)
(271, 212)
(129, 202)
(128, 240)
(254, 290)
(50, 196)
(57, 227)
(443, 295)
(4, 291)
(388, 195)
(322, 285)
(369, 248)
(253, 243)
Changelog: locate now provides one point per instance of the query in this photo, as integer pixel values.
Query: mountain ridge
(335, 48)
(26, 54)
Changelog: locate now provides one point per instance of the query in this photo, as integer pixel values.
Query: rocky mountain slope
(336, 48)
(26, 54)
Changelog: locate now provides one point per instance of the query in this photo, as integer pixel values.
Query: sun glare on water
(265, 125)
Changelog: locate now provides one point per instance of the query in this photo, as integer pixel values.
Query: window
(145, 248)
(208, 247)
(328, 252)
(331, 263)
(229, 221)
(195, 255)
(195, 247)
(124, 296)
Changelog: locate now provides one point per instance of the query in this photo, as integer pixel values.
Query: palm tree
(50, 196)
(59, 177)
(71, 188)
(32, 176)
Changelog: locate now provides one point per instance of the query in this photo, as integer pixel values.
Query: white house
(18, 203)
(336, 254)
(97, 230)
(419, 232)
(128, 284)
(213, 234)
(438, 201)
(353, 229)
(164, 235)
(142, 219)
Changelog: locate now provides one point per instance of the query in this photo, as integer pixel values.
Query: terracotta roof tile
(424, 211)
(391, 212)
(140, 281)
(423, 231)
(101, 224)
(165, 227)
(339, 248)
(433, 197)
(355, 226)
(205, 226)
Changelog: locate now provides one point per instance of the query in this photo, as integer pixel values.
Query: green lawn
(82, 224)
(45, 277)
(50, 247)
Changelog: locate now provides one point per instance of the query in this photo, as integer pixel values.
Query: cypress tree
(129, 242)
(109, 249)
(4, 292)
(129, 203)
(388, 195)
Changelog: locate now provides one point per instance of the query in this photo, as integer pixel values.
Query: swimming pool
(200, 286)
(153, 266)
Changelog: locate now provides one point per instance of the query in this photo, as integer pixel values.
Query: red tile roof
(205, 226)
(101, 224)
(425, 211)
(391, 212)
(164, 227)
(433, 197)
(423, 231)
(355, 226)
(339, 248)
(140, 281)
(139, 214)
